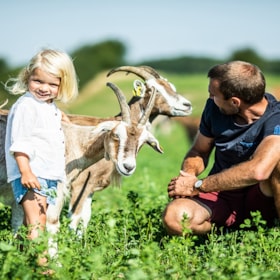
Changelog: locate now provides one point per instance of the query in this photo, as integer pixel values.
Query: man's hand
(182, 186)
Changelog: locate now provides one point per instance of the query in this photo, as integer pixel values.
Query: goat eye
(116, 136)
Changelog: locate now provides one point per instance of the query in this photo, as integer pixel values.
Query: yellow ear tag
(138, 88)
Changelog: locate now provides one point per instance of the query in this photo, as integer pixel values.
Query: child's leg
(35, 208)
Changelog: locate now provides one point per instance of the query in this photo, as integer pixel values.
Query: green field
(125, 238)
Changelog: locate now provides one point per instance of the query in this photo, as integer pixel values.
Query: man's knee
(271, 187)
(186, 214)
(168, 220)
(176, 216)
(275, 175)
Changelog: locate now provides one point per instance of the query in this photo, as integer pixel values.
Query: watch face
(198, 184)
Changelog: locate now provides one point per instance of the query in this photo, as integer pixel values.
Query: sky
(149, 29)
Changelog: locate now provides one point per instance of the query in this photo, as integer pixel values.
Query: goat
(6, 193)
(118, 140)
(97, 177)
(168, 102)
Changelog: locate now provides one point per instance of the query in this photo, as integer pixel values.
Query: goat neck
(84, 146)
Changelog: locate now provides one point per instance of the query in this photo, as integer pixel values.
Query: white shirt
(34, 128)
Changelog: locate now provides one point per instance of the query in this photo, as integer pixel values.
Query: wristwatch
(198, 184)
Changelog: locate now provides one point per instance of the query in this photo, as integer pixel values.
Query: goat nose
(188, 104)
(128, 167)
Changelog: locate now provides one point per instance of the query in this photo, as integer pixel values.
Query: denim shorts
(48, 189)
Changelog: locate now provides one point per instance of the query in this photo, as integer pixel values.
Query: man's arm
(194, 163)
(263, 167)
(259, 168)
(196, 159)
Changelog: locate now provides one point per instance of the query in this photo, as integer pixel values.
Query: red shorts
(231, 208)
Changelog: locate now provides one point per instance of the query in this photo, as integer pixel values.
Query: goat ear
(104, 126)
(154, 143)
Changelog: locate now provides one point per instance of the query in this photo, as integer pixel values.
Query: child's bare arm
(28, 179)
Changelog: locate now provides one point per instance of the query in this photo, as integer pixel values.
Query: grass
(125, 238)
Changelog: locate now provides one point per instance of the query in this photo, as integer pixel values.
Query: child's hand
(29, 180)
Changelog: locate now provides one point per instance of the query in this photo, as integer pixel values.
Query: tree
(249, 55)
(91, 59)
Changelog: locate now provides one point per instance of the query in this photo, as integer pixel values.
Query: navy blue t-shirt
(236, 143)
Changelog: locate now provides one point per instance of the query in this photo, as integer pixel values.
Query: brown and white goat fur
(6, 194)
(97, 177)
(118, 140)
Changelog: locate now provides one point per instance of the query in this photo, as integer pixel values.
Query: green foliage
(3, 65)
(126, 239)
(183, 64)
(5, 216)
(130, 242)
(249, 55)
(92, 59)
(195, 65)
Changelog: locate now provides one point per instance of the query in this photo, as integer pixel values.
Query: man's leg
(271, 187)
(195, 216)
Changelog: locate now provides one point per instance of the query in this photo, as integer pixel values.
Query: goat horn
(141, 71)
(149, 108)
(125, 110)
(151, 70)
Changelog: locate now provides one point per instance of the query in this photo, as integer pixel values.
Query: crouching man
(241, 124)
